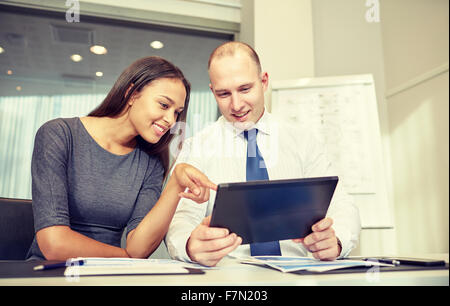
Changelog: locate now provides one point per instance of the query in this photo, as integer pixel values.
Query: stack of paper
(291, 264)
(125, 266)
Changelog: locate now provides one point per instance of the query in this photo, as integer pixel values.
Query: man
(222, 152)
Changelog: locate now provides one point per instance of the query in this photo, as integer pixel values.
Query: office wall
(415, 43)
(346, 43)
(282, 34)
(409, 44)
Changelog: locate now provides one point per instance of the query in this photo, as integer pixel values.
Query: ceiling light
(76, 58)
(156, 44)
(2, 50)
(9, 72)
(99, 73)
(96, 49)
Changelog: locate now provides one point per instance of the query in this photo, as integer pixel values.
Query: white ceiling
(40, 58)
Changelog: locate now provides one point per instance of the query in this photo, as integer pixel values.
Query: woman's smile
(159, 129)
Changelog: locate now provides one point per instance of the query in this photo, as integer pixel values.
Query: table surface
(229, 272)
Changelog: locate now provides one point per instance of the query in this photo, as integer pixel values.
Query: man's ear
(212, 90)
(265, 80)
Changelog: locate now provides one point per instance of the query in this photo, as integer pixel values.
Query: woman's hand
(195, 181)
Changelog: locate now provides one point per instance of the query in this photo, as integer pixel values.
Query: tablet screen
(260, 211)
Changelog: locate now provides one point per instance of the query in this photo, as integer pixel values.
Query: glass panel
(40, 78)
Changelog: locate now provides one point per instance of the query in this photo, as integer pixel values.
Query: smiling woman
(158, 106)
(137, 83)
(94, 176)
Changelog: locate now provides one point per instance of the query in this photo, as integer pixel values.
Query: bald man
(220, 151)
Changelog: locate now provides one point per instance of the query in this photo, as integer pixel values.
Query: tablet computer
(260, 211)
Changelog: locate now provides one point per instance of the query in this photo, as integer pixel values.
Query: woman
(96, 175)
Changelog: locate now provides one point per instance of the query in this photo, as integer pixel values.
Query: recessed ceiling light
(76, 58)
(2, 50)
(96, 49)
(156, 44)
(99, 73)
(19, 88)
(9, 72)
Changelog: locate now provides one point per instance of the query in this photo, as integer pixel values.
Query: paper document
(291, 264)
(127, 266)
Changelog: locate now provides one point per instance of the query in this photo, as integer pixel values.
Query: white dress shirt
(220, 150)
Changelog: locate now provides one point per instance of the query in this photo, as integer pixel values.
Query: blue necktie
(256, 170)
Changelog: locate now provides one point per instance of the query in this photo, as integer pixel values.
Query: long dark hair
(139, 74)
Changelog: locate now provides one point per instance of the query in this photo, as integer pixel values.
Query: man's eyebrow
(240, 86)
(247, 85)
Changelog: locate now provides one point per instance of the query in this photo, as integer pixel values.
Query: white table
(231, 273)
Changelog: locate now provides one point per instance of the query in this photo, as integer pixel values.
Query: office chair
(16, 228)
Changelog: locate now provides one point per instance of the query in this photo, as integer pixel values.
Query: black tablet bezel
(236, 207)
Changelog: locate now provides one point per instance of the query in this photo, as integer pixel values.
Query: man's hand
(208, 245)
(322, 242)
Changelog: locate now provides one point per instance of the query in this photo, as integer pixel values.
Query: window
(48, 70)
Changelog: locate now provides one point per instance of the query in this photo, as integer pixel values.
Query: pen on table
(390, 261)
(394, 262)
(59, 265)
